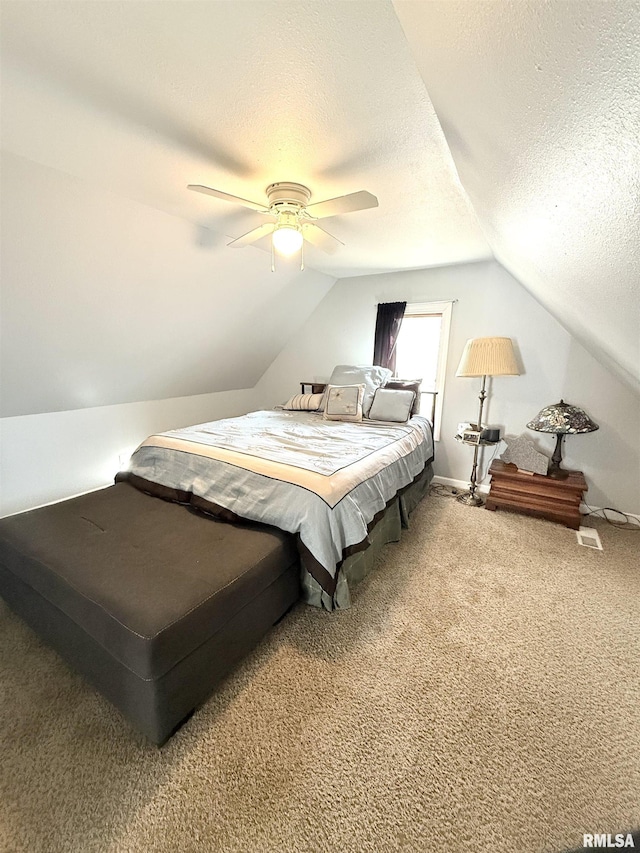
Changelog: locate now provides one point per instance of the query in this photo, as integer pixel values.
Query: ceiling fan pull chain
(273, 257)
(302, 256)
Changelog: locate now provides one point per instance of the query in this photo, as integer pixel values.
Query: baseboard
(461, 485)
(59, 500)
(598, 511)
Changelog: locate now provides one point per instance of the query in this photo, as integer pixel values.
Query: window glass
(417, 349)
(421, 353)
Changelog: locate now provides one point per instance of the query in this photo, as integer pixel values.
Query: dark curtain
(388, 324)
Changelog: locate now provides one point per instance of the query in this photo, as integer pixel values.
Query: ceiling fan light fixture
(287, 239)
(292, 220)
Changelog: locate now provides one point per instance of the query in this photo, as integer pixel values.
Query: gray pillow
(371, 376)
(389, 405)
(407, 385)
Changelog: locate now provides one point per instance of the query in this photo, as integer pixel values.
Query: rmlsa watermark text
(620, 839)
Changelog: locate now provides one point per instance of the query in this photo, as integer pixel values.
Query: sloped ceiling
(540, 105)
(142, 98)
(536, 100)
(107, 301)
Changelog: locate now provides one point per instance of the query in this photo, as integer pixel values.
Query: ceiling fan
(291, 219)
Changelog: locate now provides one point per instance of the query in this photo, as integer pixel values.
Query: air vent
(589, 537)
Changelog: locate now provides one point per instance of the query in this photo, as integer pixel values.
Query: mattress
(324, 481)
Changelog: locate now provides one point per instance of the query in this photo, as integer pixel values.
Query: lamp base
(470, 500)
(557, 473)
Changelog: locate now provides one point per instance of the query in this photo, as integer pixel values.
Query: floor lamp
(484, 357)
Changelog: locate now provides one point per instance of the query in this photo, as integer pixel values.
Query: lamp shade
(562, 419)
(488, 357)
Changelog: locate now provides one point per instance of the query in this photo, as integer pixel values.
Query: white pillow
(304, 402)
(389, 405)
(371, 376)
(343, 403)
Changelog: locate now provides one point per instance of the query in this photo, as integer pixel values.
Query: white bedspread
(322, 479)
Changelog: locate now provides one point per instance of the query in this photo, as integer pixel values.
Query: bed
(155, 603)
(328, 482)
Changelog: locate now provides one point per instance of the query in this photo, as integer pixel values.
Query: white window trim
(444, 308)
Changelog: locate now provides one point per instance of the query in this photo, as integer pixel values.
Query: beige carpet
(483, 694)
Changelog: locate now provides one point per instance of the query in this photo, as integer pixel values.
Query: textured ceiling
(143, 98)
(540, 104)
(538, 101)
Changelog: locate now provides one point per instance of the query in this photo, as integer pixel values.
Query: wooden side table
(536, 494)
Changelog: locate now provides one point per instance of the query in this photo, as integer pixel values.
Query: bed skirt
(356, 567)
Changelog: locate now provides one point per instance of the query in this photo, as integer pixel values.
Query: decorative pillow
(304, 403)
(343, 403)
(371, 376)
(407, 385)
(390, 405)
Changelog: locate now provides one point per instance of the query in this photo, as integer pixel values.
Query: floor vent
(589, 537)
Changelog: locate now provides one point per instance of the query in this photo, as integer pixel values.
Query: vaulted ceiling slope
(117, 285)
(144, 98)
(540, 105)
(107, 301)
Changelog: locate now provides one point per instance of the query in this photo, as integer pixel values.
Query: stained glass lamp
(561, 419)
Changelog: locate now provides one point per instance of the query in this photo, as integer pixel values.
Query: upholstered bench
(151, 602)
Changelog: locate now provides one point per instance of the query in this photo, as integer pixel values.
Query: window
(421, 352)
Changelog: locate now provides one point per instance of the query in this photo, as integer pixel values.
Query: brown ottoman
(151, 602)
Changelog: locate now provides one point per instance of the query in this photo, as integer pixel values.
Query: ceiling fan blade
(252, 236)
(343, 204)
(252, 205)
(319, 237)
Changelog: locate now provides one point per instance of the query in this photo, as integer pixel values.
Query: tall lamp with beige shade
(484, 357)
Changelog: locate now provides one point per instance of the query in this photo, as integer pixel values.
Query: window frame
(443, 309)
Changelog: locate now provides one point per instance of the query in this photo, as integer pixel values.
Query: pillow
(303, 403)
(407, 385)
(390, 405)
(343, 403)
(371, 377)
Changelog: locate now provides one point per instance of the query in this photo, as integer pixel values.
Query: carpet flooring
(483, 694)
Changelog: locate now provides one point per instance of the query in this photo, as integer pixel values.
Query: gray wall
(489, 302)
